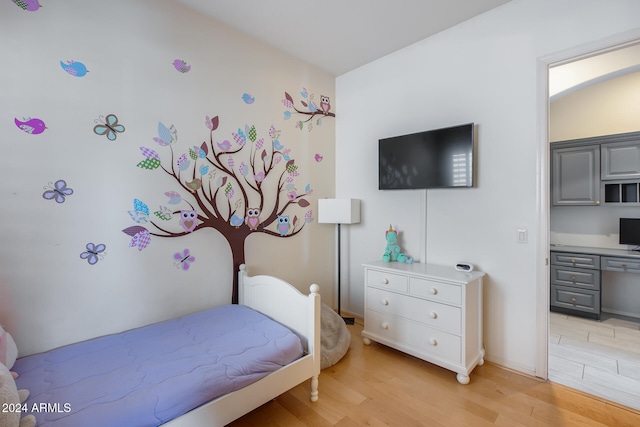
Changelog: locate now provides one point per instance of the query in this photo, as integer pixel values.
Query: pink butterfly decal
(183, 259)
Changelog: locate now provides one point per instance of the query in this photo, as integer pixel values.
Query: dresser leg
(366, 341)
(463, 379)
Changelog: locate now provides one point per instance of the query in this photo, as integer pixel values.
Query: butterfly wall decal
(57, 191)
(93, 253)
(108, 126)
(183, 259)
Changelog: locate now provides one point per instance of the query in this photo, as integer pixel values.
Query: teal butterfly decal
(108, 126)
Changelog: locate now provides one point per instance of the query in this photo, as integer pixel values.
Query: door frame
(543, 179)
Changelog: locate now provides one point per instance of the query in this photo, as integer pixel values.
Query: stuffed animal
(11, 403)
(8, 349)
(10, 397)
(392, 251)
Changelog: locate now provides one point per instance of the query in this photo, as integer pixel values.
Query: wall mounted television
(630, 231)
(438, 158)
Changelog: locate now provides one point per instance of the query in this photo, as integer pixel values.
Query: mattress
(151, 375)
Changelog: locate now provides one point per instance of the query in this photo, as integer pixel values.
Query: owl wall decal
(188, 220)
(283, 224)
(325, 104)
(253, 218)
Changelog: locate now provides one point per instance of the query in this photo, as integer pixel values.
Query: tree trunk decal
(225, 188)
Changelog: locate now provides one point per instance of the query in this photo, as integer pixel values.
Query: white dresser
(430, 311)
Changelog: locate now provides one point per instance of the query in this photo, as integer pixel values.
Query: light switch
(521, 235)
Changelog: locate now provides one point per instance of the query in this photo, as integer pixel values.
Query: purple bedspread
(151, 375)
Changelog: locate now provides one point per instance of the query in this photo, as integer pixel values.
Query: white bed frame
(288, 306)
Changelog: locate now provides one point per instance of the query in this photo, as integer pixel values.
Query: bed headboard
(282, 302)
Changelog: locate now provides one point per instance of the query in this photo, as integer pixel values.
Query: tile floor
(598, 357)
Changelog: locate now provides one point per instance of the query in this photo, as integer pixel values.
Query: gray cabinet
(620, 160)
(575, 284)
(575, 176)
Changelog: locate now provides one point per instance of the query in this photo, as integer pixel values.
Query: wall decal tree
(236, 192)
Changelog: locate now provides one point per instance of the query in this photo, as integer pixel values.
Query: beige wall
(609, 107)
(49, 296)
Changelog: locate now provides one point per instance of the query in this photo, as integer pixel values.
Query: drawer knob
(385, 281)
(573, 299)
(434, 315)
(573, 278)
(624, 265)
(434, 291)
(385, 302)
(385, 325)
(433, 342)
(573, 260)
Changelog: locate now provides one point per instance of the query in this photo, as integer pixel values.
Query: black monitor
(630, 231)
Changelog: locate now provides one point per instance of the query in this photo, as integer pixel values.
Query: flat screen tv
(630, 231)
(438, 158)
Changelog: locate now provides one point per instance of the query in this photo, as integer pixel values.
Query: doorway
(574, 352)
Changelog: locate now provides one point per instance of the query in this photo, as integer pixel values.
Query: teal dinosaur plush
(392, 251)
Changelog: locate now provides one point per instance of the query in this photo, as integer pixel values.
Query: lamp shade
(338, 211)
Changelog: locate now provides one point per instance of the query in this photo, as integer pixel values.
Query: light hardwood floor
(378, 386)
(598, 357)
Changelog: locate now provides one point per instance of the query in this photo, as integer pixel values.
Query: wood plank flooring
(601, 358)
(378, 386)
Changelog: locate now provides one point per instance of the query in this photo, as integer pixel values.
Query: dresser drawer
(436, 291)
(628, 265)
(578, 277)
(405, 333)
(386, 280)
(575, 260)
(575, 299)
(440, 316)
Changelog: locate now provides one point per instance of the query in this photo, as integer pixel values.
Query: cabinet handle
(385, 325)
(433, 342)
(385, 302)
(597, 202)
(434, 291)
(434, 315)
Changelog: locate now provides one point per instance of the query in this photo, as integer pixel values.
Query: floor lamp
(339, 211)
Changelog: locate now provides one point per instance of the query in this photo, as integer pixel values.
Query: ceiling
(567, 78)
(341, 35)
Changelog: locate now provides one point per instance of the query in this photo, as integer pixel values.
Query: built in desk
(576, 278)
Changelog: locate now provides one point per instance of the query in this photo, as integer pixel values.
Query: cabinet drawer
(579, 277)
(576, 299)
(435, 291)
(440, 316)
(386, 280)
(629, 265)
(575, 260)
(405, 333)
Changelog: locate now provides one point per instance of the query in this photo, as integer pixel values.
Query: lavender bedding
(151, 375)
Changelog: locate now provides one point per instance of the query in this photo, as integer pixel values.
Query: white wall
(49, 296)
(484, 71)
